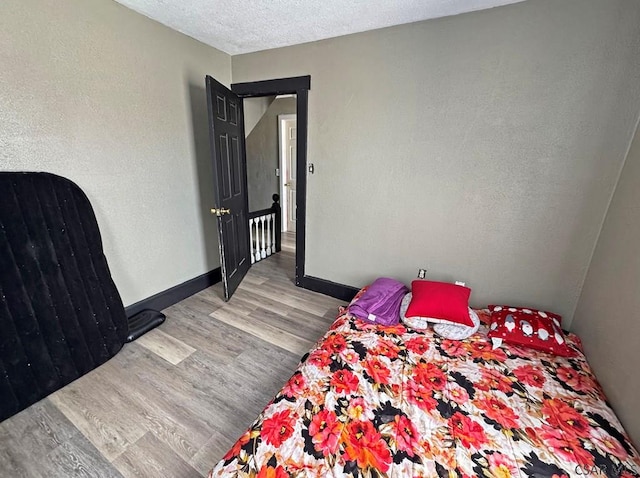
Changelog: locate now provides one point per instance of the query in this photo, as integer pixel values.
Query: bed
(371, 400)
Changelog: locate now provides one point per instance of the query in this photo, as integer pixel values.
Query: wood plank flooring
(173, 402)
(288, 241)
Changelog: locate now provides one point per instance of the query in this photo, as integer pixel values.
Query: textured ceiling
(243, 26)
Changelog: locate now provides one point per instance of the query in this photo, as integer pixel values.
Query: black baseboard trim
(175, 294)
(326, 287)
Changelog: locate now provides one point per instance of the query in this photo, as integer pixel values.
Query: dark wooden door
(226, 131)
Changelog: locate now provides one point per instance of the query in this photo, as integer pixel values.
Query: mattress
(370, 400)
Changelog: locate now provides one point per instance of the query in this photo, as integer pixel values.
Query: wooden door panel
(233, 113)
(291, 135)
(226, 127)
(223, 142)
(230, 251)
(235, 168)
(221, 107)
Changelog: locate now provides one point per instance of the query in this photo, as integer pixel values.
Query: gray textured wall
(254, 109)
(263, 155)
(484, 147)
(114, 101)
(607, 317)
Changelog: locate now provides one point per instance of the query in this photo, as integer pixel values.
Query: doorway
(298, 86)
(270, 146)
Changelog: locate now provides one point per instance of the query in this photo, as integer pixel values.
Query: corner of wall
(604, 217)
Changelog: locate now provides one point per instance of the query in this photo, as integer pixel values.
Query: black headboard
(60, 312)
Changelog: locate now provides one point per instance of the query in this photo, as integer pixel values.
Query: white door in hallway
(288, 133)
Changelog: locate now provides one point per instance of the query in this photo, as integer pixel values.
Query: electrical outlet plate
(422, 273)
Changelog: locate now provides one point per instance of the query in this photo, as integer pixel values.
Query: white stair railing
(262, 234)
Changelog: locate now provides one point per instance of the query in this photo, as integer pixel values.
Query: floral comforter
(371, 401)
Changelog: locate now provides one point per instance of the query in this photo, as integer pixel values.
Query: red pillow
(541, 313)
(532, 328)
(440, 300)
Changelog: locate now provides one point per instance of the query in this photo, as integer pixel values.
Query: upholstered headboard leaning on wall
(60, 312)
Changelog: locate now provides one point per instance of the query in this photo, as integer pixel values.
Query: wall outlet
(422, 273)
(278, 172)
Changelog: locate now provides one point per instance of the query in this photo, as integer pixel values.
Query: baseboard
(175, 294)
(326, 287)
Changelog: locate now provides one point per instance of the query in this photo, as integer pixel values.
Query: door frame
(282, 155)
(300, 86)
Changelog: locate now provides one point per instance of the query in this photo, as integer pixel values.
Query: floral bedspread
(371, 401)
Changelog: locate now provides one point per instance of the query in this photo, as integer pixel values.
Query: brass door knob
(220, 212)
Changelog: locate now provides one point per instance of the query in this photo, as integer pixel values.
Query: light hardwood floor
(288, 240)
(173, 402)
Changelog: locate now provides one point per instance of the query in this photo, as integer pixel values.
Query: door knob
(220, 212)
